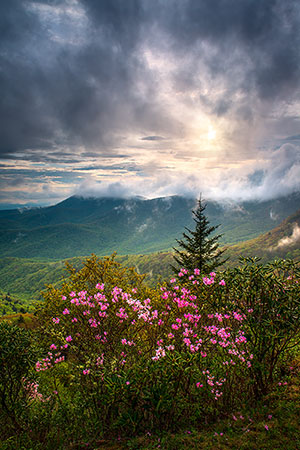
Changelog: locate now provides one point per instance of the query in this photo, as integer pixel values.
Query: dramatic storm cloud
(137, 97)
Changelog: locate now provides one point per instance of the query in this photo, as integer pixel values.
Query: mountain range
(79, 226)
(22, 279)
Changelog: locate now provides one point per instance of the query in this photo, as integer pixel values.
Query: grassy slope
(25, 278)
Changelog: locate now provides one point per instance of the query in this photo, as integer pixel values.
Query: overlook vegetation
(113, 363)
(95, 354)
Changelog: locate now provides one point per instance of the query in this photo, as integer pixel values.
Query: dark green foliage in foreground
(200, 249)
(111, 384)
(268, 295)
(16, 360)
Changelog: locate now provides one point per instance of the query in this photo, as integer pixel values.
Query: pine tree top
(199, 249)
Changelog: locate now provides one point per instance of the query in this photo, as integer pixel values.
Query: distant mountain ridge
(79, 226)
(25, 278)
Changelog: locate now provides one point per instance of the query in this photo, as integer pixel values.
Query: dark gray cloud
(38, 157)
(292, 138)
(54, 94)
(85, 93)
(253, 48)
(34, 179)
(104, 155)
(267, 32)
(16, 23)
(121, 21)
(112, 167)
(76, 84)
(152, 138)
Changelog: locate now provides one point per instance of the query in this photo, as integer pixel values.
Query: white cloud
(279, 175)
(290, 240)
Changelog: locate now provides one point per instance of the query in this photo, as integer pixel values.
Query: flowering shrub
(266, 300)
(165, 356)
(117, 355)
(31, 389)
(269, 296)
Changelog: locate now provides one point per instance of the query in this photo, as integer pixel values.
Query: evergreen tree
(199, 249)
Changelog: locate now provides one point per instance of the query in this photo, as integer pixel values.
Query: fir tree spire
(199, 249)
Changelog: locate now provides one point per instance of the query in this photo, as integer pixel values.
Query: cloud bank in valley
(290, 240)
(149, 98)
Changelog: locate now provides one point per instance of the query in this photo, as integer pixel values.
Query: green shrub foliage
(16, 360)
(120, 358)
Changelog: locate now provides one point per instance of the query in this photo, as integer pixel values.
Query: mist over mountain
(79, 226)
(283, 241)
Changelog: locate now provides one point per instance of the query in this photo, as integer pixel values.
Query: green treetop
(200, 250)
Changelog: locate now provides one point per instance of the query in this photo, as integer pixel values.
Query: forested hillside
(80, 226)
(25, 278)
(280, 242)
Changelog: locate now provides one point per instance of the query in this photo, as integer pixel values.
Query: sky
(150, 98)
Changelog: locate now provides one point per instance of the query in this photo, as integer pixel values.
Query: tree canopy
(200, 249)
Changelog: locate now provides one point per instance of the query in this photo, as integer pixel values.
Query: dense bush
(267, 297)
(145, 363)
(16, 360)
(118, 357)
(271, 294)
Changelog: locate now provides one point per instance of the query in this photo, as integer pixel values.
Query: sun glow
(211, 134)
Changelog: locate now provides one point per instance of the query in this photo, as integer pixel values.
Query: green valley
(81, 226)
(36, 244)
(24, 278)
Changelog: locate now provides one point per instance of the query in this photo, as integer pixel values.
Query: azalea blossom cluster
(113, 326)
(31, 389)
(207, 280)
